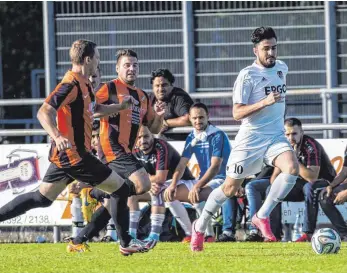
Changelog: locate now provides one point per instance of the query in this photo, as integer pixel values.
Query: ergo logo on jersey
(278, 88)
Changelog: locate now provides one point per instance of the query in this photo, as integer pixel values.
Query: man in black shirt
(315, 172)
(177, 100)
(160, 160)
(336, 194)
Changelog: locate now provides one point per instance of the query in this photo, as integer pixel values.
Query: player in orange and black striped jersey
(118, 134)
(67, 116)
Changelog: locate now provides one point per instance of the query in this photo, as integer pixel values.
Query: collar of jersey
(78, 76)
(129, 86)
(264, 68)
(209, 131)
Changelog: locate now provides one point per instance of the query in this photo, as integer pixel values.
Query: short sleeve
(150, 114)
(182, 105)
(242, 88)
(161, 151)
(102, 94)
(217, 145)
(188, 149)
(313, 153)
(63, 94)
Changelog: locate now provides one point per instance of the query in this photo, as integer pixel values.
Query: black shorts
(125, 165)
(89, 170)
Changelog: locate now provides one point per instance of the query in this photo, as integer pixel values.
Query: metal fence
(220, 42)
(206, 43)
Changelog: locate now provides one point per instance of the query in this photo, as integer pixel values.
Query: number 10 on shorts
(238, 169)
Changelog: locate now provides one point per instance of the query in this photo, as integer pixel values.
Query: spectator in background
(336, 194)
(229, 213)
(160, 160)
(315, 171)
(255, 193)
(177, 100)
(211, 147)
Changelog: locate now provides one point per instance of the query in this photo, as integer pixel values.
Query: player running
(259, 101)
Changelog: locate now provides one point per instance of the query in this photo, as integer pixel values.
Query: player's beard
(267, 65)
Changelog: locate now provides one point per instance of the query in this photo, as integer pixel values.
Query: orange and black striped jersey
(73, 99)
(118, 133)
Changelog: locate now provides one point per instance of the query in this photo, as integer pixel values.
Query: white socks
(280, 188)
(199, 208)
(134, 222)
(180, 213)
(77, 216)
(213, 204)
(156, 225)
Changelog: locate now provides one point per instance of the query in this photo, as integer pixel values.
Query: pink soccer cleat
(304, 238)
(264, 226)
(197, 242)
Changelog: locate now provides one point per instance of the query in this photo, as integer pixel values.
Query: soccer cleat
(304, 238)
(151, 241)
(254, 237)
(136, 246)
(71, 247)
(226, 238)
(264, 226)
(197, 241)
(209, 239)
(187, 239)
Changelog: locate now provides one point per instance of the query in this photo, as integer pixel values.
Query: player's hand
(155, 188)
(77, 187)
(240, 192)
(62, 143)
(159, 108)
(272, 98)
(329, 190)
(170, 194)
(193, 195)
(128, 101)
(164, 127)
(341, 197)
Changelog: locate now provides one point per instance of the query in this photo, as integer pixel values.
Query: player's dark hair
(199, 105)
(262, 33)
(81, 49)
(291, 122)
(162, 72)
(96, 125)
(125, 52)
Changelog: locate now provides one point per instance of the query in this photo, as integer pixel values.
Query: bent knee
(231, 186)
(291, 168)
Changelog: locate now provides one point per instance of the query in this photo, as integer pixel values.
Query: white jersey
(255, 83)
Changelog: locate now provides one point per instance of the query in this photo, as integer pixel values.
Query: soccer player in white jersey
(259, 102)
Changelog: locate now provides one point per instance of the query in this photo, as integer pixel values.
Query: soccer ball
(326, 241)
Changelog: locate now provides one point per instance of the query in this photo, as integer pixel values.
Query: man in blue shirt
(211, 148)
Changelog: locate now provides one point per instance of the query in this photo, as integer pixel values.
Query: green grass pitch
(172, 257)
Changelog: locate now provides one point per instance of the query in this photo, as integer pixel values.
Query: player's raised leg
(288, 167)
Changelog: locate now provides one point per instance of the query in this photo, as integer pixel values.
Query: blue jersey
(215, 143)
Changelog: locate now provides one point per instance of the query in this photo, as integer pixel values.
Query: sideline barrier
(17, 177)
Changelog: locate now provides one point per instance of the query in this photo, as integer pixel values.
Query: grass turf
(172, 257)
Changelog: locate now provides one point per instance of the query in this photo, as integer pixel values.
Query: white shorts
(188, 183)
(251, 150)
(215, 183)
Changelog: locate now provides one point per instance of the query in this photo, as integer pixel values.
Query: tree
(22, 50)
